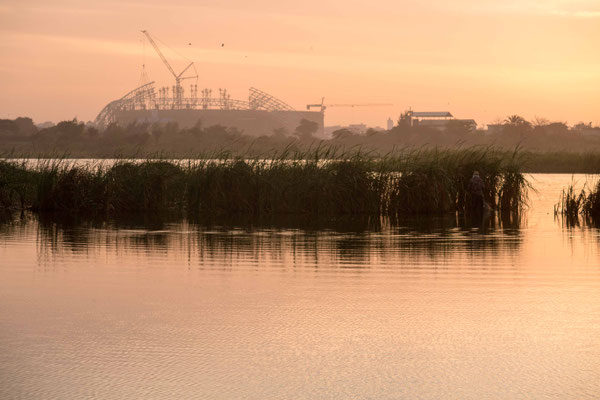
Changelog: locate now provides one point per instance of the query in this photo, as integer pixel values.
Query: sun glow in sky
(481, 59)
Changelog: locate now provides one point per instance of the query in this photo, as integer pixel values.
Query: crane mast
(178, 89)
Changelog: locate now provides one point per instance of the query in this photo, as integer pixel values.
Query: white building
(390, 124)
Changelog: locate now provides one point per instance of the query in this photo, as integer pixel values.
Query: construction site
(260, 114)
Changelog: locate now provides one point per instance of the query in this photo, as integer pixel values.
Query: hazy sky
(481, 59)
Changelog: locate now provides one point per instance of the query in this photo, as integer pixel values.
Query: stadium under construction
(261, 114)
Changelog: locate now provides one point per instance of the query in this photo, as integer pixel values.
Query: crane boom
(324, 106)
(160, 54)
(186, 68)
(360, 105)
(177, 89)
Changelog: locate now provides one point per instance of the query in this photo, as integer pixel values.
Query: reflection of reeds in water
(429, 238)
(320, 183)
(586, 203)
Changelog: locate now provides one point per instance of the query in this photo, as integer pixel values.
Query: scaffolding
(144, 98)
(172, 98)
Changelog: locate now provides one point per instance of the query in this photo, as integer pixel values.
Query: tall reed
(16, 185)
(586, 203)
(591, 204)
(323, 182)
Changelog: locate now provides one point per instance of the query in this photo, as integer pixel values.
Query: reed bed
(437, 180)
(319, 183)
(586, 202)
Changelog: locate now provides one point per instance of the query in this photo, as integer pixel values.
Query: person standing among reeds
(476, 187)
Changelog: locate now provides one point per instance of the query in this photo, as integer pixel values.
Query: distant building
(587, 129)
(260, 115)
(332, 128)
(439, 124)
(438, 120)
(493, 129)
(357, 128)
(442, 125)
(428, 115)
(390, 124)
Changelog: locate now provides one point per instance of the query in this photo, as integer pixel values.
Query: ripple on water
(186, 311)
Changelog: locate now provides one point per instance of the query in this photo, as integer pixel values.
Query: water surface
(359, 309)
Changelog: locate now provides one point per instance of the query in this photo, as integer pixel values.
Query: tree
(137, 129)
(92, 132)
(306, 129)
(68, 131)
(516, 126)
(539, 122)
(404, 119)
(234, 132)
(517, 121)
(342, 133)
(20, 126)
(459, 128)
(557, 129)
(280, 133)
(25, 126)
(113, 134)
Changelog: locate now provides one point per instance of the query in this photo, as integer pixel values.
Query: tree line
(75, 138)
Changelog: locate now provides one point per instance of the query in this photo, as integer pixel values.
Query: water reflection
(346, 242)
(287, 308)
(569, 222)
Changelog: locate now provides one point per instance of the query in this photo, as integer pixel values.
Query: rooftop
(431, 114)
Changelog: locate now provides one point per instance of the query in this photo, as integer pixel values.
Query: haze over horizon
(477, 59)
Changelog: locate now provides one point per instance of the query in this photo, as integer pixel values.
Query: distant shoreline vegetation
(321, 183)
(547, 147)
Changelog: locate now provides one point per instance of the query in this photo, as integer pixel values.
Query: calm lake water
(424, 309)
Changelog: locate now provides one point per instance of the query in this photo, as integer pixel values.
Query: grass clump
(16, 185)
(586, 203)
(433, 181)
(283, 186)
(146, 186)
(591, 204)
(319, 183)
(63, 187)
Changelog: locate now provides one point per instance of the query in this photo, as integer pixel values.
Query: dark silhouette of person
(476, 187)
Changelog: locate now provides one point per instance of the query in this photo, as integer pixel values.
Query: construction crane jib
(323, 106)
(178, 89)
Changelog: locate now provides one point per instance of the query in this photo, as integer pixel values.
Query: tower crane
(178, 92)
(323, 106)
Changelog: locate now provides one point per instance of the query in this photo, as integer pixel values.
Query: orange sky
(481, 59)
